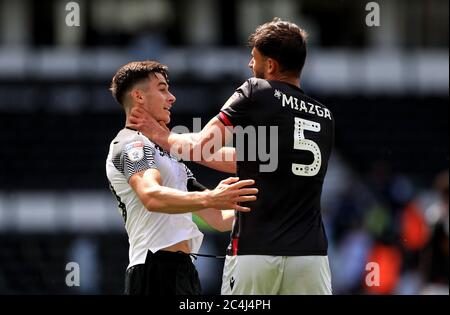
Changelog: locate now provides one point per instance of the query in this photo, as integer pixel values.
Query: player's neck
(288, 79)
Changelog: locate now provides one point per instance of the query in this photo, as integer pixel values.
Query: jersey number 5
(301, 143)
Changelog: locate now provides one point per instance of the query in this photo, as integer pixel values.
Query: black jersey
(286, 219)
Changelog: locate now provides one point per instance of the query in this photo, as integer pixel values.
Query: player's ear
(272, 66)
(137, 96)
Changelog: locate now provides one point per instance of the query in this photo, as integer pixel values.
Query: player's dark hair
(283, 41)
(131, 74)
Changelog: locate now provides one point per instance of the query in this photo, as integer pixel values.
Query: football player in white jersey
(157, 193)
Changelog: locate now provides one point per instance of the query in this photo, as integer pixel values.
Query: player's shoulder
(254, 86)
(129, 138)
(315, 101)
(259, 84)
(311, 98)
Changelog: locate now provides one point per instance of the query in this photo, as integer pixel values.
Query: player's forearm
(194, 147)
(169, 200)
(223, 160)
(181, 145)
(226, 223)
(187, 146)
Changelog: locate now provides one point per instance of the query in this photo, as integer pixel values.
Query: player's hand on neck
(141, 120)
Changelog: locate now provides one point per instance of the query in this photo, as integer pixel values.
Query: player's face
(157, 99)
(258, 64)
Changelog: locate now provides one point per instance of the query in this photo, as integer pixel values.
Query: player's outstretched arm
(223, 160)
(158, 198)
(206, 147)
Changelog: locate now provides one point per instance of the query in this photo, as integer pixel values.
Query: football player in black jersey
(281, 246)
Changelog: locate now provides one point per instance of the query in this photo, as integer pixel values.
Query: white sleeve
(135, 156)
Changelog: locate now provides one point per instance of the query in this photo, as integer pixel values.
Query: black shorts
(164, 273)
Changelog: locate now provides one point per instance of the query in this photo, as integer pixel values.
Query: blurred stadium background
(386, 193)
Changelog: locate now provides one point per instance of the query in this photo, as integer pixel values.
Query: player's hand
(230, 192)
(141, 120)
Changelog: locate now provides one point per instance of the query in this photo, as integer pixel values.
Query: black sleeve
(237, 109)
(193, 185)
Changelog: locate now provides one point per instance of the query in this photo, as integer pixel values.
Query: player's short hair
(133, 73)
(283, 41)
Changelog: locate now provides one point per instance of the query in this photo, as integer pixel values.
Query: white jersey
(129, 153)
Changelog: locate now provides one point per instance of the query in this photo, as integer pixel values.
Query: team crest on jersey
(135, 151)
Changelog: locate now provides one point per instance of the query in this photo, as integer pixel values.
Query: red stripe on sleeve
(225, 119)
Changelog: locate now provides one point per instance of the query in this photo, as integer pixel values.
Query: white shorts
(269, 275)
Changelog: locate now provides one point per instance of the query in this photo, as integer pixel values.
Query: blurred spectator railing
(336, 71)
